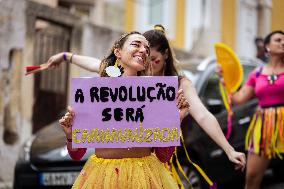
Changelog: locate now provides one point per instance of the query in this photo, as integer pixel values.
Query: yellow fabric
(224, 95)
(257, 133)
(177, 178)
(265, 133)
(249, 131)
(181, 169)
(227, 99)
(127, 173)
(199, 169)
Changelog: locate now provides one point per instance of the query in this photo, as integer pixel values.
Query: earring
(267, 52)
(114, 71)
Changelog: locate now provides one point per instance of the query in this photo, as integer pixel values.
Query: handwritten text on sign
(124, 112)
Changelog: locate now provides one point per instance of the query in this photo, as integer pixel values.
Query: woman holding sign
(163, 63)
(122, 167)
(265, 138)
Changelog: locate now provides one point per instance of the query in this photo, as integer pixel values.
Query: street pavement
(269, 183)
(264, 186)
(275, 186)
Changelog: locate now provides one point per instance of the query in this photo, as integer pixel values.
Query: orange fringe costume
(265, 135)
(127, 173)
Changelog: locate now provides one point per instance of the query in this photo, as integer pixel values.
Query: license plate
(58, 178)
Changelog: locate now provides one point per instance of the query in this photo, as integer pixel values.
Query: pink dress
(265, 134)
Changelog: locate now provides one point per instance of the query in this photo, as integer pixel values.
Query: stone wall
(12, 32)
(17, 23)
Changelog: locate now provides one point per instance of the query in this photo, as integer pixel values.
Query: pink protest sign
(122, 112)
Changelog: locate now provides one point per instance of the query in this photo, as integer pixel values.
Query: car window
(211, 94)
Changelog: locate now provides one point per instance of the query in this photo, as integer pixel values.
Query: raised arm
(243, 95)
(85, 62)
(209, 123)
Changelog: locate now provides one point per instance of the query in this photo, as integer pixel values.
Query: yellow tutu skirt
(265, 135)
(127, 173)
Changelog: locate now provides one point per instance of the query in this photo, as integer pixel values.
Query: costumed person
(265, 138)
(164, 64)
(123, 168)
(260, 50)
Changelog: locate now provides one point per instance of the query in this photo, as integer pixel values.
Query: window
(156, 11)
(151, 12)
(114, 14)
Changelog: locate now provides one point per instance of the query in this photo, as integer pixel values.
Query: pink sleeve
(251, 79)
(76, 154)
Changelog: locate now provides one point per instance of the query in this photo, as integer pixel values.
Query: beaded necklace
(272, 78)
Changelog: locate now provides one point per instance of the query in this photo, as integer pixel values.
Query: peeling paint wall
(12, 129)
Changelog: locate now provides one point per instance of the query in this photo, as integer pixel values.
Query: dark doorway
(50, 90)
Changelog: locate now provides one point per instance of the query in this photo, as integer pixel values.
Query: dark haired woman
(265, 136)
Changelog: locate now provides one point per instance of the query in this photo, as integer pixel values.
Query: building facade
(195, 25)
